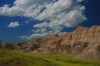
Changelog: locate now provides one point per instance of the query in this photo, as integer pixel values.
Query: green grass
(15, 58)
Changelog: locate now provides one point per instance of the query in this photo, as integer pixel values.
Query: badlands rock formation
(5, 45)
(83, 42)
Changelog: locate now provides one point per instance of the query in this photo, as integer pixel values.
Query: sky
(22, 20)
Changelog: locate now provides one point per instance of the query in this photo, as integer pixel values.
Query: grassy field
(15, 58)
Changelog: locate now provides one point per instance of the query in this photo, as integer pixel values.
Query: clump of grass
(16, 58)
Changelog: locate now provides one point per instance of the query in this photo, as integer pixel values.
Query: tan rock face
(5, 45)
(2, 45)
(84, 42)
(29, 46)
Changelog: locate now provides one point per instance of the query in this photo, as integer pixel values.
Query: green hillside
(16, 58)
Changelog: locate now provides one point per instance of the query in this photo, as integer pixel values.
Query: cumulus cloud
(55, 14)
(26, 8)
(13, 24)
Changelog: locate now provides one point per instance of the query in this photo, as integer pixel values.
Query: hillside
(83, 43)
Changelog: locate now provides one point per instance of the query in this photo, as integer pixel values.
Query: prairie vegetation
(16, 58)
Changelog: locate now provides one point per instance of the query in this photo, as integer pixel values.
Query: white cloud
(53, 9)
(27, 8)
(56, 14)
(13, 24)
(13, 11)
(36, 35)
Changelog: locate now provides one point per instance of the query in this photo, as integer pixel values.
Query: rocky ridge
(83, 42)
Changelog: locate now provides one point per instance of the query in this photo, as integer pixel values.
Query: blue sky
(22, 20)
